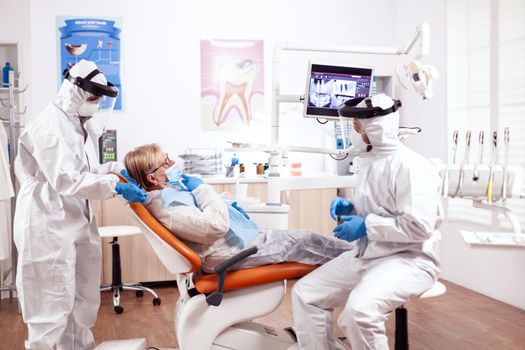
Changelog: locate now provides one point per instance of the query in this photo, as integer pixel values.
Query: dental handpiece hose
(492, 161)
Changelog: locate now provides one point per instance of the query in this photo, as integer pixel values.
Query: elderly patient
(196, 214)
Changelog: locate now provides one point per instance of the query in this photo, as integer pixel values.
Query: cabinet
(309, 209)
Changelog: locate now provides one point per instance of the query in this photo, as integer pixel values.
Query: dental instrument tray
(471, 181)
(203, 161)
(497, 239)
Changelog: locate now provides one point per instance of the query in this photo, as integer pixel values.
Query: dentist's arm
(417, 196)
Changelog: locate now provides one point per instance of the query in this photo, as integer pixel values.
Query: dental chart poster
(232, 83)
(93, 39)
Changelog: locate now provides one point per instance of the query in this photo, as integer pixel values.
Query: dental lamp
(420, 76)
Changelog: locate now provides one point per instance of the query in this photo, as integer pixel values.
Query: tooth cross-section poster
(232, 83)
(92, 39)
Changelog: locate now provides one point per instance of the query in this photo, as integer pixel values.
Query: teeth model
(235, 88)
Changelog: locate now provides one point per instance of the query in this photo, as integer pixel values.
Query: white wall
(162, 90)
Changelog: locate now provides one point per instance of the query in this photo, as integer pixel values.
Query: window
(486, 84)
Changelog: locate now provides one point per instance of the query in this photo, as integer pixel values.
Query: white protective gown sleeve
(397, 191)
(55, 233)
(416, 214)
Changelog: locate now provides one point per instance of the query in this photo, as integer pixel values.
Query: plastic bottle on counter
(5, 74)
(235, 160)
(260, 169)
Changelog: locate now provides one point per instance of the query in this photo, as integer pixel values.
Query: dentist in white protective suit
(55, 232)
(393, 221)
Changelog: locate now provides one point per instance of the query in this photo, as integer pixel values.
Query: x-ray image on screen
(330, 86)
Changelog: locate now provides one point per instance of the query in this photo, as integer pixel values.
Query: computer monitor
(328, 87)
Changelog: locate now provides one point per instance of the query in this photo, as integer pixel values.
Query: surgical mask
(174, 175)
(88, 108)
(358, 142)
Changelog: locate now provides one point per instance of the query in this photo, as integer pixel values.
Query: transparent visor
(105, 109)
(106, 104)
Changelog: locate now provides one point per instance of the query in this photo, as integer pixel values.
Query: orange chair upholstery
(253, 276)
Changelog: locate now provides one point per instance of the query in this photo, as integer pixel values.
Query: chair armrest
(215, 298)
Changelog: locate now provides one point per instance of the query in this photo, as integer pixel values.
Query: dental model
(235, 89)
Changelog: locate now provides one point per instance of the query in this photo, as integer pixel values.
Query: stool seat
(116, 285)
(118, 231)
(401, 330)
(437, 289)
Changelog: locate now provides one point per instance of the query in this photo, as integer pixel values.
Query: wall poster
(232, 83)
(93, 39)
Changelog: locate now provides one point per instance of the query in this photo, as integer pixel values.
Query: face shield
(102, 97)
(350, 109)
(105, 109)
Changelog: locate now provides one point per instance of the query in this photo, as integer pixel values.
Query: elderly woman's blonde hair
(141, 161)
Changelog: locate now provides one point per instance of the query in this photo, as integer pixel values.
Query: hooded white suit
(54, 229)
(398, 194)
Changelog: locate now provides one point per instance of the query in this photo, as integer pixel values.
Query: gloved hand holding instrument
(351, 229)
(340, 206)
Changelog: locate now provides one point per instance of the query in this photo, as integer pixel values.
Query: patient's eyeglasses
(166, 163)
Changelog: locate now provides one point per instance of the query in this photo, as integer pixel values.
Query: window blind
(486, 86)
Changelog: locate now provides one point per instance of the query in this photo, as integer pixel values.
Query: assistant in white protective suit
(54, 229)
(393, 221)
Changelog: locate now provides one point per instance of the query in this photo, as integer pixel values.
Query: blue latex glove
(191, 182)
(340, 206)
(240, 210)
(131, 192)
(353, 228)
(124, 172)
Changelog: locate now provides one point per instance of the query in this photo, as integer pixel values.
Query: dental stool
(401, 337)
(116, 285)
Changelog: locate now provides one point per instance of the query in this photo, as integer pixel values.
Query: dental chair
(214, 310)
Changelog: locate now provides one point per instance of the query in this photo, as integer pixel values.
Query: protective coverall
(55, 232)
(398, 193)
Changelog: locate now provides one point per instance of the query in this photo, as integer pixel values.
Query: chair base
(139, 291)
(128, 344)
(255, 336)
